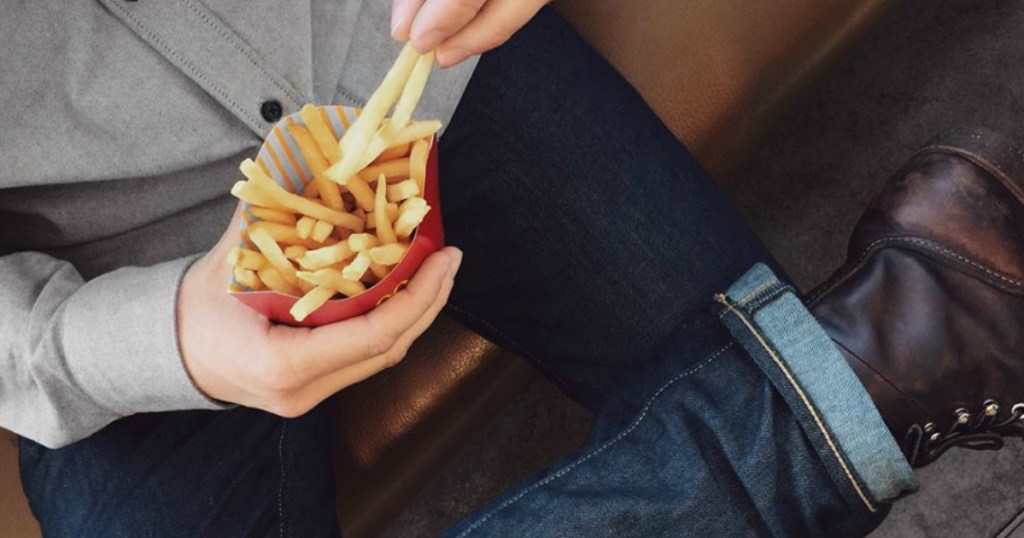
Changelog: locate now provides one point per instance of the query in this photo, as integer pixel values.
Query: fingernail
(456, 260)
(450, 57)
(398, 17)
(428, 41)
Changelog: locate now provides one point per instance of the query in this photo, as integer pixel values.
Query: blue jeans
(597, 249)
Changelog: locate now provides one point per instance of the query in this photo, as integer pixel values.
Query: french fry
(392, 215)
(247, 278)
(413, 90)
(377, 270)
(275, 282)
(407, 102)
(323, 257)
(418, 162)
(275, 257)
(360, 134)
(305, 287)
(304, 227)
(321, 132)
(392, 170)
(311, 190)
(355, 269)
(310, 302)
(285, 234)
(385, 233)
(321, 231)
(361, 242)
(294, 252)
(403, 190)
(280, 197)
(389, 254)
(246, 259)
(273, 215)
(410, 216)
(361, 191)
(332, 278)
(247, 192)
(415, 131)
(328, 190)
(392, 153)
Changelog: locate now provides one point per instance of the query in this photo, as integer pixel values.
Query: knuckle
(395, 356)
(380, 344)
(497, 36)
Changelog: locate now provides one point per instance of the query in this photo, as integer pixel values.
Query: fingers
(328, 385)
(438, 20)
(328, 348)
(403, 12)
(492, 26)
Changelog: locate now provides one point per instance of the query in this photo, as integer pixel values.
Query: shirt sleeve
(76, 355)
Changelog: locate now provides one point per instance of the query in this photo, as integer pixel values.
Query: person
(595, 247)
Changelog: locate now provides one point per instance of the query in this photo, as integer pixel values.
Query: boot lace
(981, 431)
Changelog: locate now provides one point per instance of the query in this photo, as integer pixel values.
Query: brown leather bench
(719, 73)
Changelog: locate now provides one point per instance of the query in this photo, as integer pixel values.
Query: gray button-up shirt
(120, 133)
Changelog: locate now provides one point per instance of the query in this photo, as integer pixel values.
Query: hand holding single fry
(236, 355)
(458, 29)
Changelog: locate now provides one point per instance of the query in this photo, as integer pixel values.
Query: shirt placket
(215, 57)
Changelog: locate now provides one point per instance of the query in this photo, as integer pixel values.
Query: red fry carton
(280, 157)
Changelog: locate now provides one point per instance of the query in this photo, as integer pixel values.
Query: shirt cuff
(121, 341)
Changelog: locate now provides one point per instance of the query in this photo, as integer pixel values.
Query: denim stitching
(757, 290)
(521, 348)
(632, 427)
(803, 397)
(280, 485)
(767, 298)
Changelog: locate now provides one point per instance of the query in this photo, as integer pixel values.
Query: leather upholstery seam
(623, 434)
(819, 423)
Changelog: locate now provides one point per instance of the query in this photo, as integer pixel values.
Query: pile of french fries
(354, 221)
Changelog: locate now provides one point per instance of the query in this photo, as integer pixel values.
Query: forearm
(76, 355)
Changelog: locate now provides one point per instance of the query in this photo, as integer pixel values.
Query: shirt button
(271, 110)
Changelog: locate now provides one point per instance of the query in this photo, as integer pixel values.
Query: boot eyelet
(963, 416)
(929, 428)
(935, 437)
(991, 408)
(1018, 409)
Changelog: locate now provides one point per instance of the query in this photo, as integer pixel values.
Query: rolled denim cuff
(769, 320)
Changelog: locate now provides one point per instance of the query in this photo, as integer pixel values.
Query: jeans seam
(280, 485)
(757, 290)
(520, 348)
(756, 305)
(805, 399)
(622, 435)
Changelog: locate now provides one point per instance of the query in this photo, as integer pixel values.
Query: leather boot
(929, 307)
